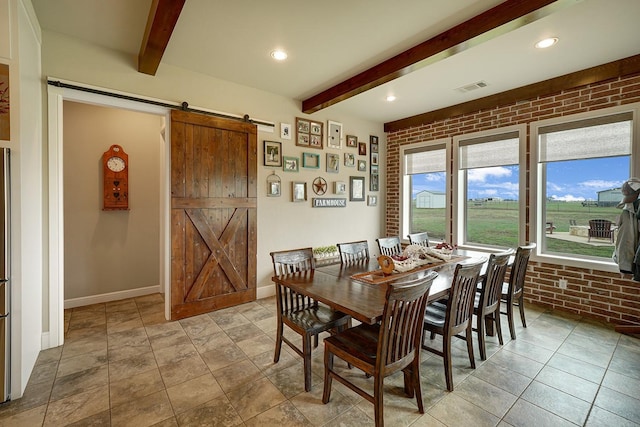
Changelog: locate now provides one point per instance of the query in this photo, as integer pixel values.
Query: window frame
(459, 184)
(537, 180)
(405, 187)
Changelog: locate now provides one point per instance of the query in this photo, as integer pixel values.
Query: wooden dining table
(334, 286)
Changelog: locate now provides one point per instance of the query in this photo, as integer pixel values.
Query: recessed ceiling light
(545, 43)
(391, 98)
(279, 55)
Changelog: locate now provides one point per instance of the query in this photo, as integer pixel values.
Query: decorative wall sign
(309, 133)
(319, 186)
(329, 202)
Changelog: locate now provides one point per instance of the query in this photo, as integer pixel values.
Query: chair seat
(360, 341)
(316, 319)
(434, 316)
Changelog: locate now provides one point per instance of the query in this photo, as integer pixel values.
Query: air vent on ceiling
(472, 86)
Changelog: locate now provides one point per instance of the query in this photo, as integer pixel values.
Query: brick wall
(610, 297)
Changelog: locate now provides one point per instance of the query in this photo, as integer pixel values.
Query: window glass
(581, 167)
(426, 182)
(488, 187)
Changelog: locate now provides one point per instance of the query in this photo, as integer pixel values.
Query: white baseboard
(45, 341)
(111, 296)
(265, 291)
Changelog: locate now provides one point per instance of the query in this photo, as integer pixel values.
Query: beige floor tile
(28, 418)
(134, 387)
(82, 362)
(192, 393)
(286, 415)
(199, 326)
(131, 366)
(77, 407)
(79, 382)
(237, 374)
(454, 410)
(255, 397)
(144, 411)
(217, 412)
(174, 354)
(187, 369)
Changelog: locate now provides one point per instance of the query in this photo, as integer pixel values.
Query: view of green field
(496, 223)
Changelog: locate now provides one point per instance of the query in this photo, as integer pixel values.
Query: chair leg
(417, 385)
(378, 401)
(498, 325)
(446, 355)
(469, 337)
(521, 307)
(276, 356)
(481, 339)
(328, 367)
(315, 341)
(512, 328)
(306, 357)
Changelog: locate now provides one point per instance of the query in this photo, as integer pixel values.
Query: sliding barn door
(213, 213)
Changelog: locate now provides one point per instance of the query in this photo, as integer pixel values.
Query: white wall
(109, 252)
(281, 223)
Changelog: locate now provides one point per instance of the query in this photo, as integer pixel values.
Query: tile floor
(122, 365)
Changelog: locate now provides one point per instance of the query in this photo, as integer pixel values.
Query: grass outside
(496, 223)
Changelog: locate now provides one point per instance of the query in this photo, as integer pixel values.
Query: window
(488, 188)
(581, 164)
(424, 189)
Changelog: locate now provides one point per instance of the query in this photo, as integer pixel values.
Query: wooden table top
(333, 286)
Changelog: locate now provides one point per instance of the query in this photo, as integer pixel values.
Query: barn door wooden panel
(213, 213)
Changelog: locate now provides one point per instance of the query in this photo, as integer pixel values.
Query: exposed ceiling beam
(476, 30)
(610, 70)
(162, 19)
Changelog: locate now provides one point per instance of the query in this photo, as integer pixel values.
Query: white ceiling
(329, 41)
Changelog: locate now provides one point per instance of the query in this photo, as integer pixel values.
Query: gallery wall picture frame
(373, 140)
(272, 153)
(374, 158)
(362, 148)
(273, 185)
(334, 134)
(349, 160)
(339, 187)
(298, 191)
(290, 164)
(356, 188)
(362, 165)
(333, 162)
(374, 182)
(311, 160)
(285, 130)
(309, 133)
(372, 200)
(374, 169)
(352, 141)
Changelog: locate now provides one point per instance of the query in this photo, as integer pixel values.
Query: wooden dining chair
(384, 348)
(456, 317)
(389, 245)
(300, 313)
(353, 251)
(513, 290)
(487, 301)
(421, 239)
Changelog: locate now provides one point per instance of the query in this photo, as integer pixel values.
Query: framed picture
(374, 158)
(290, 164)
(308, 133)
(285, 130)
(356, 188)
(272, 153)
(310, 160)
(372, 200)
(333, 162)
(362, 148)
(362, 165)
(352, 141)
(273, 189)
(334, 134)
(373, 182)
(298, 191)
(374, 169)
(373, 139)
(339, 187)
(349, 159)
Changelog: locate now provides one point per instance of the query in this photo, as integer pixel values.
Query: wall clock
(115, 166)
